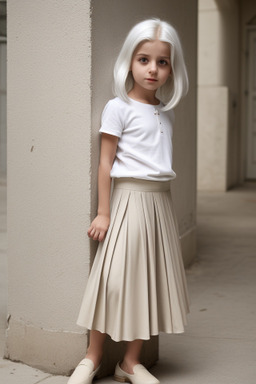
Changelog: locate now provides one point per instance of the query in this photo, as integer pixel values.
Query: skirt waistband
(141, 185)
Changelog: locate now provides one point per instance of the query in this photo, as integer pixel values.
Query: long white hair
(177, 84)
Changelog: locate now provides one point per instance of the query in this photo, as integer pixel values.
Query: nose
(153, 67)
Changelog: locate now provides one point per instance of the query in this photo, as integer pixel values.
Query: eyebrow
(144, 54)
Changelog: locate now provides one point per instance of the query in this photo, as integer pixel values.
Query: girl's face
(151, 65)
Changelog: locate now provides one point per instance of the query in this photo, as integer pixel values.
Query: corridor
(219, 346)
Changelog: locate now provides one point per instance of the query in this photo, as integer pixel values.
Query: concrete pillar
(48, 178)
(60, 60)
(218, 94)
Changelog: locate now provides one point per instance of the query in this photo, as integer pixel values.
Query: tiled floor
(219, 346)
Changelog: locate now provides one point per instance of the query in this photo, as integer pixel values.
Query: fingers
(95, 234)
(101, 236)
(98, 228)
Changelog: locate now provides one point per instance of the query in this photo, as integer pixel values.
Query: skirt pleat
(137, 286)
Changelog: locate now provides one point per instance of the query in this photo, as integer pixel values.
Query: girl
(137, 284)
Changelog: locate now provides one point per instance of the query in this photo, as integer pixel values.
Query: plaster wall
(49, 184)
(60, 61)
(218, 67)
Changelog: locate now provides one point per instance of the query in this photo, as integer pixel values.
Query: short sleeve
(111, 121)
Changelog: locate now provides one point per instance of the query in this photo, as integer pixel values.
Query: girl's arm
(100, 224)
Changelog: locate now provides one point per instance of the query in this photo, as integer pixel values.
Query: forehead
(155, 47)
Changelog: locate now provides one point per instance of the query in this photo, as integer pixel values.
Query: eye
(163, 62)
(143, 60)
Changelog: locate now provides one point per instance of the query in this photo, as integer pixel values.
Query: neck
(144, 97)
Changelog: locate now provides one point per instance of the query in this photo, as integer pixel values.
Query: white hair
(177, 84)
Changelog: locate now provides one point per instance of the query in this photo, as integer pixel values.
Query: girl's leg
(132, 355)
(95, 349)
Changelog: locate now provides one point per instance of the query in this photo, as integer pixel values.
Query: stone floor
(219, 346)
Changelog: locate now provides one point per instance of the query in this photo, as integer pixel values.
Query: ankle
(95, 358)
(127, 365)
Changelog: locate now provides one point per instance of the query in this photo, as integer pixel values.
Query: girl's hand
(99, 227)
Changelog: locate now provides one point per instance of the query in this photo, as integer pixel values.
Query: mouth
(151, 80)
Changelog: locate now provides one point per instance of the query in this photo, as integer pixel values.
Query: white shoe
(140, 376)
(84, 373)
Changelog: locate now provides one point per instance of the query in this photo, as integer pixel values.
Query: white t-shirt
(144, 149)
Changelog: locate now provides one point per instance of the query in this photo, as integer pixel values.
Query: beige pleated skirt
(137, 286)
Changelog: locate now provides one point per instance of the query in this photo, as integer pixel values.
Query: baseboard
(55, 352)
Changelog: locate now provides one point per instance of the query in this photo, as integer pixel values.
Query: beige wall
(218, 67)
(49, 135)
(55, 99)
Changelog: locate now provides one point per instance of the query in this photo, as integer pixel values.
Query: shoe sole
(121, 379)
